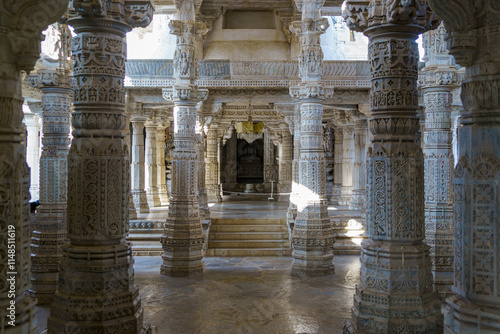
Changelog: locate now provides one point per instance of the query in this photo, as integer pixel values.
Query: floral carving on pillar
(395, 262)
(98, 294)
(21, 26)
(183, 239)
(312, 235)
(473, 39)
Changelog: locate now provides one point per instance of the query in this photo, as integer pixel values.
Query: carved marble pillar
(437, 80)
(294, 123)
(132, 213)
(49, 227)
(96, 292)
(151, 161)
(396, 293)
(21, 26)
(32, 122)
(160, 164)
(474, 41)
(337, 171)
(202, 190)
(347, 164)
(183, 239)
(212, 167)
(285, 168)
(138, 166)
(312, 236)
(270, 166)
(359, 172)
(329, 159)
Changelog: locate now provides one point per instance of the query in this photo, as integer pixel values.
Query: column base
(312, 263)
(336, 194)
(25, 317)
(163, 195)
(182, 242)
(47, 238)
(346, 196)
(153, 197)
(140, 201)
(132, 213)
(96, 292)
(358, 201)
(396, 292)
(312, 242)
(462, 316)
(213, 194)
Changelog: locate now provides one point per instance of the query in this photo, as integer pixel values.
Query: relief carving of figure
(402, 10)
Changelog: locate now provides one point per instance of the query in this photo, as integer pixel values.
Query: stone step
(248, 252)
(248, 244)
(249, 228)
(147, 248)
(144, 237)
(249, 236)
(248, 221)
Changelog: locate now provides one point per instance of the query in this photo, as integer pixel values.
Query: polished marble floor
(245, 295)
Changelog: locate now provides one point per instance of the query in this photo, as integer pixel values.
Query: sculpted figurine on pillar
(312, 236)
(96, 291)
(183, 239)
(473, 37)
(396, 293)
(49, 227)
(21, 26)
(437, 80)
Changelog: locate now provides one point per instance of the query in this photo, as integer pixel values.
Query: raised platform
(246, 228)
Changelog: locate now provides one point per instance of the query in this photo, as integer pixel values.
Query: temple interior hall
(250, 166)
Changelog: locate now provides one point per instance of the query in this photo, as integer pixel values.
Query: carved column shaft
(183, 239)
(212, 167)
(286, 157)
(151, 161)
(96, 291)
(474, 41)
(21, 26)
(294, 195)
(202, 190)
(160, 163)
(337, 173)
(49, 229)
(312, 236)
(32, 123)
(359, 172)
(396, 291)
(138, 167)
(438, 168)
(347, 163)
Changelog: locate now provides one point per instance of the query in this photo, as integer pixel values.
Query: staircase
(248, 237)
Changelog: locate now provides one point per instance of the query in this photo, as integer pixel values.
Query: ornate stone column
(337, 172)
(49, 227)
(437, 80)
(202, 190)
(474, 40)
(151, 162)
(21, 26)
(312, 236)
(138, 166)
(359, 173)
(294, 124)
(347, 163)
(32, 122)
(212, 166)
(160, 163)
(396, 293)
(329, 159)
(285, 167)
(96, 292)
(270, 166)
(183, 239)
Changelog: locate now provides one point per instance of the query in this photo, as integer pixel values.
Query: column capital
(314, 92)
(384, 16)
(185, 93)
